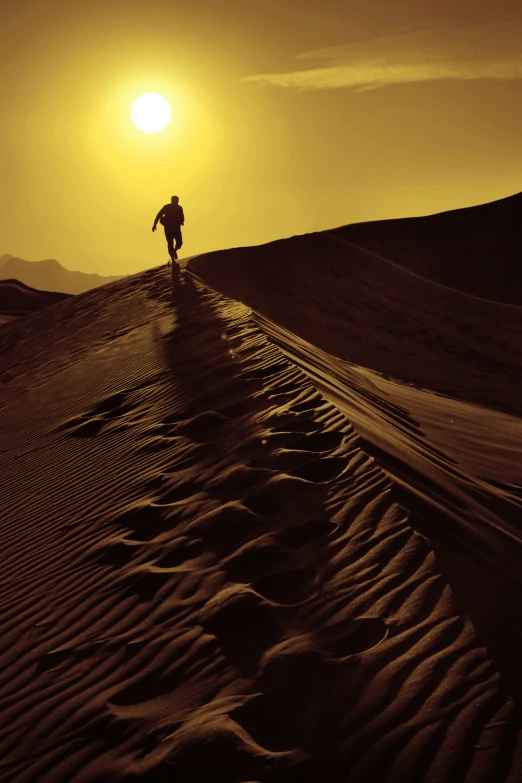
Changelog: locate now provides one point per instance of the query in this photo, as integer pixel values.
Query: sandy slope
(457, 465)
(17, 299)
(476, 250)
(456, 462)
(205, 577)
(363, 307)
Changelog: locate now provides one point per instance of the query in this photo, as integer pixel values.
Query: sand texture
(206, 575)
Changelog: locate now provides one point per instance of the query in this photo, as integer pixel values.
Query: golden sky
(288, 117)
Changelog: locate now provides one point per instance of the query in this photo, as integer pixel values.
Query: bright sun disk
(151, 112)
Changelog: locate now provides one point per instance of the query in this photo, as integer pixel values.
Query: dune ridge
(476, 250)
(204, 574)
(360, 306)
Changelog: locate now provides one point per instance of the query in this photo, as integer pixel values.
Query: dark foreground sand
(207, 576)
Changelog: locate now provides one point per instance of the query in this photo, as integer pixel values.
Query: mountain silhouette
(49, 275)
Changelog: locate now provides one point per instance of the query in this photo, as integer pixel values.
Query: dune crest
(476, 250)
(369, 310)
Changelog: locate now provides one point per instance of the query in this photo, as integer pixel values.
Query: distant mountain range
(49, 275)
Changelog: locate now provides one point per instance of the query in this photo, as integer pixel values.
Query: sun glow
(151, 112)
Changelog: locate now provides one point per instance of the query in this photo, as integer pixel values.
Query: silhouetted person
(171, 218)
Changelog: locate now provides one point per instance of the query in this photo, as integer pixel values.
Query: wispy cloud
(480, 52)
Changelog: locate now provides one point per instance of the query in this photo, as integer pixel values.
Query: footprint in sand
(256, 559)
(319, 442)
(202, 428)
(345, 639)
(243, 623)
(282, 491)
(226, 528)
(85, 427)
(300, 679)
(289, 587)
(116, 551)
(320, 471)
(90, 424)
(283, 665)
(181, 551)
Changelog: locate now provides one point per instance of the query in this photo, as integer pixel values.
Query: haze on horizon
(286, 119)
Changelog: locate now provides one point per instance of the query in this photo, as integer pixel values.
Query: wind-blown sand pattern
(206, 577)
(454, 453)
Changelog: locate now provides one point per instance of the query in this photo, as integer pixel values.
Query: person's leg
(178, 238)
(170, 244)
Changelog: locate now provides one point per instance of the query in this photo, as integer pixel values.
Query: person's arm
(182, 217)
(160, 213)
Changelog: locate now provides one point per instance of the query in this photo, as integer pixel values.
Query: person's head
(174, 199)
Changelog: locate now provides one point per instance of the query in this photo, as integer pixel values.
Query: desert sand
(18, 299)
(262, 529)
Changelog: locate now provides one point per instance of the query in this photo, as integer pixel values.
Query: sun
(151, 112)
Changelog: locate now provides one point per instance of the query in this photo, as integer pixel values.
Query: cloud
(458, 54)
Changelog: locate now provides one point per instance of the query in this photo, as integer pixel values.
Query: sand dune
(452, 453)
(17, 299)
(205, 574)
(477, 250)
(457, 466)
(49, 275)
(371, 311)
